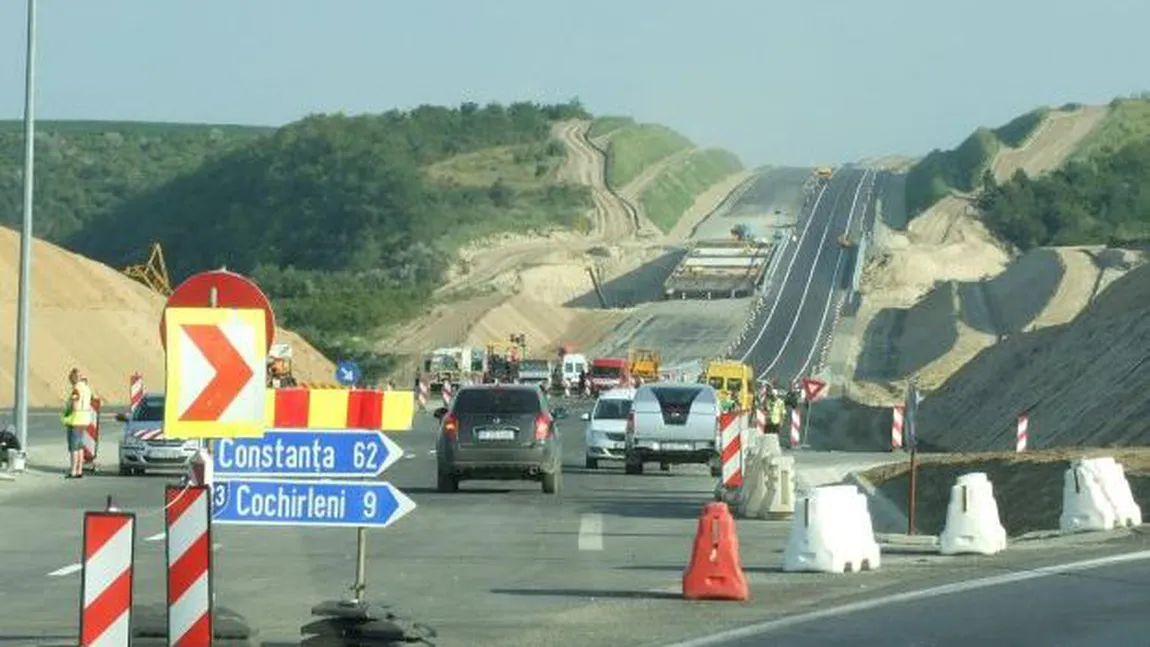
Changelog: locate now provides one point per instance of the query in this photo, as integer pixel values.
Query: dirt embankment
(89, 315)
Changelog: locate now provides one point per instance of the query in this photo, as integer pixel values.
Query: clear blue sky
(776, 81)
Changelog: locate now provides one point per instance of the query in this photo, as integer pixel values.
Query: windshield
(149, 411)
(734, 385)
(606, 371)
(716, 382)
(612, 410)
(533, 365)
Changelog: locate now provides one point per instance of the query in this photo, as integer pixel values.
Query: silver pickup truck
(672, 423)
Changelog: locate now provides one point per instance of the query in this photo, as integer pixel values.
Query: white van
(573, 365)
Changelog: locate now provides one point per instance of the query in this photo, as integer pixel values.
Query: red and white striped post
(91, 439)
(566, 388)
(796, 427)
(446, 392)
(135, 391)
(106, 583)
(1022, 435)
(731, 454)
(189, 551)
(423, 395)
(896, 418)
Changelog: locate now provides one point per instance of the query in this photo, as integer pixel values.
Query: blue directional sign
(306, 453)
(347, 372)
(317, 504)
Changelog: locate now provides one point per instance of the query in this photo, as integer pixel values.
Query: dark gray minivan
(499, 432)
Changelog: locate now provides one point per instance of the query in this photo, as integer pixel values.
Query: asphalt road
(786, 339)
(774, 189)
(1097, 607)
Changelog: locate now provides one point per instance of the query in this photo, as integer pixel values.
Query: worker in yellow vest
(778, 409)
(76, 418)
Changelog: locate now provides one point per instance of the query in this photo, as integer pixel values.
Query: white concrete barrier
(781, 487)
(972, 521)
(832, 533)
(753, 494)
(1097, 496)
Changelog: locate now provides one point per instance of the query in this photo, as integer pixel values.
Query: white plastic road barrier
(1022, 435)
(1096, 496)
(832, 533)
(754, 492)
(896, 426)
(972, 521)
(770, 443)
(781, 487)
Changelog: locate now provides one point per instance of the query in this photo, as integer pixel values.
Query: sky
(775, 81)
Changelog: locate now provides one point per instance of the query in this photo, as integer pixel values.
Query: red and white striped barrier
(423, 395)
(189, 549)
(91, 437)
(566, 388)
(446, 392)
(106, 582)
(896, 418)
(149, 434)
(586, 388)
(731, 453)
(135, 391)
(796, 427)
(1022, 435)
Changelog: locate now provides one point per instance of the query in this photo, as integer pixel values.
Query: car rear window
(149, 411)
(677, 397)
(497, 401)
(612, 409)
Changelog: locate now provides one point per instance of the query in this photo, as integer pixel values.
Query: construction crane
(154, 273)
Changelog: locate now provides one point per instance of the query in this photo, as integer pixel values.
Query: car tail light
(542, 426)
(450, 424)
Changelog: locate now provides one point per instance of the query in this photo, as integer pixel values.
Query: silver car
(673, 423)
(144, 447)
(607, 426)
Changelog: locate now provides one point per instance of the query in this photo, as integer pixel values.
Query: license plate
(166, 454)
(496, 434)
(677, 446)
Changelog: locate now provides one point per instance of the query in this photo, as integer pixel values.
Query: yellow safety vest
(778, 408)
(78, 412)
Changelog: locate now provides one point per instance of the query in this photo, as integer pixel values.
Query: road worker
(777, 409)
(76, 417)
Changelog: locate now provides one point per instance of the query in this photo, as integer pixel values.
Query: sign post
(910, 422)
(812, 389)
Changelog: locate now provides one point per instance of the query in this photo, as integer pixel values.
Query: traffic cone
(714, 572)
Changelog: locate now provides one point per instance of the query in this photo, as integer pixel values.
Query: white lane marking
(591, 532)
(65, 570)
(806, 289)
(760, 628)
(787, 274)
(159, 536)
(838, 267)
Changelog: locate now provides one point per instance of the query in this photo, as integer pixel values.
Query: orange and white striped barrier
(896, 417)
(189, 551)
(731, 448)
(339, 408)
(135, 391)
(1022, 434)
(796, 427)
(566, 388)
(424, 395)
(91, 438)
(106, 582)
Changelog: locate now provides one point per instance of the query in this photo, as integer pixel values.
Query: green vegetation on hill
(1127, 121)
(941, 172)
(670, 194)
(604, 125)
(633, 148)
(1100, 200)
(347, 222)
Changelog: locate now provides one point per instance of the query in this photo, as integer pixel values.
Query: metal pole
(360, 564)
(24, 298)
(912, 492)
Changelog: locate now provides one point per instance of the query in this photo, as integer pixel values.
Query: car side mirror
(121, 417)
(585, 417)
(440, 412)
(559, 413)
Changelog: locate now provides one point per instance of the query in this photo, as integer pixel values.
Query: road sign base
(363, 623)
(151, 622)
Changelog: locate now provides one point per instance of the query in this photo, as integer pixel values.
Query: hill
(89, 315)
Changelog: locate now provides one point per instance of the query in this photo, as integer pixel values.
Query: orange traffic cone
(714, 572)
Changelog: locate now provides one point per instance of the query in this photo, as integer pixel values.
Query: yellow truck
(824, 173)
(644, 363)
(733, 379)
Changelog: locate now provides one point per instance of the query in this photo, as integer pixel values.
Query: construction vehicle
(733, 380)
(454, 366)
(719, 269)
(608, 373)
(845, 240)
(154, 273)
(279, 367)
(536, 372)
(824, 173)
(643, 363)
(503, 358)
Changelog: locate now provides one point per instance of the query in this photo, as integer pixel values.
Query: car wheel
(126, 471)
(633, 467)
(552, 482)
(664, 467)
(446, 482)
(592, 463)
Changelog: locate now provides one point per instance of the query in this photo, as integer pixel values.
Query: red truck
(609, 373)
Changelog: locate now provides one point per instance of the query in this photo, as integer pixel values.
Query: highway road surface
(788, 335)
(495, 564)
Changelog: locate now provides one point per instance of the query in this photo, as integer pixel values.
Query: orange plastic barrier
(714, 572)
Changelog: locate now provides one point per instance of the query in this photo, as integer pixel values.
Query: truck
(503, 359)
(450, 366)
(643, 363)
(719, 269)
(732, 380)
(608, 373)
(536, 372)
(824, 173)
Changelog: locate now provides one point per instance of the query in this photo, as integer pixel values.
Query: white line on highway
(66, 570)
(758, 629)
(159, 536)
(806, 291)
(787, 274)
(591, 532)
(838, 267)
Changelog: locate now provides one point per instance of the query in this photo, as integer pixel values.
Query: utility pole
(25, 289)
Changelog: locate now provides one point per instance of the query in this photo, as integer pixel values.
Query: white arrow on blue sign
(320, 504)
(303, 453)
(347, 372)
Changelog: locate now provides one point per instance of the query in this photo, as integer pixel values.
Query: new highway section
(785, 339)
